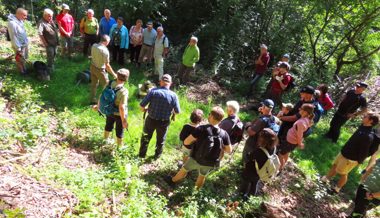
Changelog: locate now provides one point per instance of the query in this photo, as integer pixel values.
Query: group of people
(145, 44)
(205, 145)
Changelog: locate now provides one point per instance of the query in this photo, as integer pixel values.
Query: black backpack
(374, 145)
(163, 43)
(271, 123)
(207, 151)
(237, 131)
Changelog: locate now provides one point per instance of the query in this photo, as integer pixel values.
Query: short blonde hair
(234, 105)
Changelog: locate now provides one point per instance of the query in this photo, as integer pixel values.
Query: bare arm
(110, 70)
(228, 149)
(122, 115)
(292, 118)
(189, 140)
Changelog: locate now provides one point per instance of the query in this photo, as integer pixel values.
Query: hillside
(53, 161)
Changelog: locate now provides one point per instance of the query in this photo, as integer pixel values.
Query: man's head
(263, 49)
(166, 80)
(105, 40)
(122, 75)
(370, 119)
(149, 25)
(48, 15)
(232, 107)
(196, 116)
(160, 31)
(120, 21)
(21, 14)
(90, 13)
(360, 87)
(193, 40)
(307, 93)
(216, 115)
(266, 107)
(285, 58)
(107, 14)
(65, 8)
(139, 22)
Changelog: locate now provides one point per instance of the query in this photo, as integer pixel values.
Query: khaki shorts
(344, 165)
(192, 164)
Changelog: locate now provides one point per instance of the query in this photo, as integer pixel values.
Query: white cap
(65, 6)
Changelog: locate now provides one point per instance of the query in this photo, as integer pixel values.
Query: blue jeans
(253, 82)
(161, 128)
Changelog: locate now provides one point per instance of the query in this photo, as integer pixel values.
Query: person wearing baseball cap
(162, 103)
(66, 27)
(306, 97)
(348, 109)
(253, 128)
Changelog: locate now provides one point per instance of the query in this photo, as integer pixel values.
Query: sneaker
(333, 191)
(109, 141)
(324, 179)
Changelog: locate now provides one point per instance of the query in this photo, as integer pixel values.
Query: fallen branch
(16, 158)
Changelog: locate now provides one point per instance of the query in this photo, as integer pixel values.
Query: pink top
(295, 134)
(136, 36)
(326, 102)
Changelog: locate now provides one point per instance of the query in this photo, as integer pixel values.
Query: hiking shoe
(325, 180)
(168, 179)
(333, 191)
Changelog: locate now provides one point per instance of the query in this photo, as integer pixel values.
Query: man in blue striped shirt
(162, 104)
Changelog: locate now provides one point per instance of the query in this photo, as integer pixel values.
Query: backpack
(270, 168)
(271, 123)
(107, 100)
(207, 151)
(318, 111)
(237, 131)
(292, 84)
(168, 48)
(374, 145)
(7, 36)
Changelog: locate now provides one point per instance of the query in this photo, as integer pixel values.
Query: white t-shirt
(159, 46)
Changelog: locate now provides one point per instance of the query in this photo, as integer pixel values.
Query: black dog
(41, 71)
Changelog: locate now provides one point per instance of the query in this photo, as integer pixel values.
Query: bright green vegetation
(38, 107)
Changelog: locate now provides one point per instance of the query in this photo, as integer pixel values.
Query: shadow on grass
(322, 152)
(219, 188)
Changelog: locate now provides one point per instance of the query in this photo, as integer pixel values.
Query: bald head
(21, 14)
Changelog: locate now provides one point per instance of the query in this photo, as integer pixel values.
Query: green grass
(61, 100)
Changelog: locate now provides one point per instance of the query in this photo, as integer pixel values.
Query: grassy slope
(123, 172)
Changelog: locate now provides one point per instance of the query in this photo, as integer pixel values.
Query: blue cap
(268, 103)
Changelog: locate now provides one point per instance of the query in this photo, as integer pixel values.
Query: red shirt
(261, 69)
(326, 102)
(276, 87)
(66, 21)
